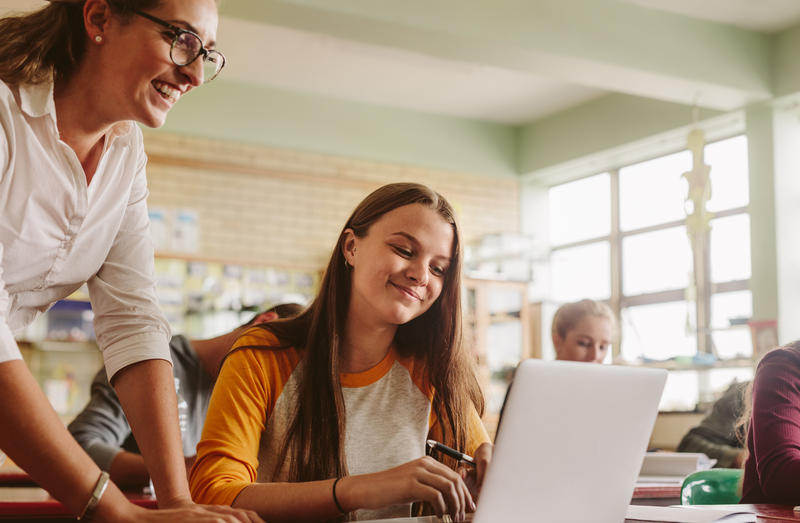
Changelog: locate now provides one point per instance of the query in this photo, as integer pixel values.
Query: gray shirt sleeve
(101, 427)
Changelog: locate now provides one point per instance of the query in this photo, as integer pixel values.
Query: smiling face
(587, 341)
(399, 266)
(140, 80)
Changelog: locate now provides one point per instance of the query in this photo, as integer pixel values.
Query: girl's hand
(473, 476)
(423, 479)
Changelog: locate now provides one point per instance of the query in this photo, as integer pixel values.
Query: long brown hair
(50, 42)
(315, 438)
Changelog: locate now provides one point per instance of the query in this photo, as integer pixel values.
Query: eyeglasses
(187, 47)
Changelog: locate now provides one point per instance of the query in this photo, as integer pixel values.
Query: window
(622, 236)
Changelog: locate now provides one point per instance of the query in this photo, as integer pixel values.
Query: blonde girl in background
(75, 76)
(326, 415)
(582, 331)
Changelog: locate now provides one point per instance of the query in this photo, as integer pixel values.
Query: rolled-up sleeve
(129, 324)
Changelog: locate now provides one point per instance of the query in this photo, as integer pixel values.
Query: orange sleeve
(250, 381)
(476, 431)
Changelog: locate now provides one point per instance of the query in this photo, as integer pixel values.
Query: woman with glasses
(75, 76)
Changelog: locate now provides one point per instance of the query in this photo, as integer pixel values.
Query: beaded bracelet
(335, 500)
(97, 493)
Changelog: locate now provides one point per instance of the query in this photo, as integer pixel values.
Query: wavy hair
(315, 437)
(50, 42)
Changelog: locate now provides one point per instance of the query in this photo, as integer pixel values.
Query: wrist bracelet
(97, 493)
(336, 501)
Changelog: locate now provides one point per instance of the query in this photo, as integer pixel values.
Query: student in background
(582, 331)
(328, 413)
(76, 76)
(103, 432)
(717, 435)
(772, 465)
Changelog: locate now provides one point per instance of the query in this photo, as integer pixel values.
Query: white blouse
(57, 233)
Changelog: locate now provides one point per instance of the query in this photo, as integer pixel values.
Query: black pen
(453, 453)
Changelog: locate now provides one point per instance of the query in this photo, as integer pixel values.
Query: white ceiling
(768, 16)
(351, 69)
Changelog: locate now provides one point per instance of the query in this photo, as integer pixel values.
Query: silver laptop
(570, 443)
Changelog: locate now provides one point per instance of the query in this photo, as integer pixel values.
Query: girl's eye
(438, 271)
(402, 252)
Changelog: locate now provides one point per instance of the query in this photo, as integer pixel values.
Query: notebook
(570, 443)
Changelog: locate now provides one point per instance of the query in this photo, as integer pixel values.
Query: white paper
(689, 514)
(672, 467)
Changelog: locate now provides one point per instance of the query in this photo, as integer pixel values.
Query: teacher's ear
(96, 16)
(349, 241)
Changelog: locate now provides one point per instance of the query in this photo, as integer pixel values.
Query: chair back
(712, 487)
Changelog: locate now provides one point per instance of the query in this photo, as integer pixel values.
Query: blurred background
(560, 130)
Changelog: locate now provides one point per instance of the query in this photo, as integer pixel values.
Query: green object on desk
(712, 487)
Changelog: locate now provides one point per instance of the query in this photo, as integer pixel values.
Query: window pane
(681, 391)
(731, 308)
(653, 192)
(730, 248)
(720, 379)
(659, 331)
(730, 334)
(656, 261)
(580, 210)
(581, 272)
(729, 173)
(733, 343)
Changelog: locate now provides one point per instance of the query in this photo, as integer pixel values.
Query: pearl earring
(98, 39)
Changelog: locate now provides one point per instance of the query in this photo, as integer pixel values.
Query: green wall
(262, 115)
(595, 126)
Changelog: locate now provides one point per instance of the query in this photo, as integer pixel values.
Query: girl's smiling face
(399, 267)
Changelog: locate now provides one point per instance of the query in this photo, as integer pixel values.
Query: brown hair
(570, 314)
(51, 41)
(315, 438)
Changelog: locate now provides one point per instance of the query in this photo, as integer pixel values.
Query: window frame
(617, 300)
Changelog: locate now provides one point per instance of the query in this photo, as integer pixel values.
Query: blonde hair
(50, 42)
(570, 314)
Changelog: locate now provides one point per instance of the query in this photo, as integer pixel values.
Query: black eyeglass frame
(178, 31)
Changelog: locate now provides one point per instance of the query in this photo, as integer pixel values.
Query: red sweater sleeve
(775, 426)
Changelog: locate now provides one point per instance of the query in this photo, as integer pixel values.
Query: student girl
(582, 331)
(327, 414)
(75, 76)
(772, 466)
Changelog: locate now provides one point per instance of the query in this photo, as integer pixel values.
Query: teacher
(75, 76)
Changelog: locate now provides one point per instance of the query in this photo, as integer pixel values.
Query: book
(672, 467)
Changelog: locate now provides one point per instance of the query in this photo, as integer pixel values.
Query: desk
(765, 513)
(13, 476)
(36, 504)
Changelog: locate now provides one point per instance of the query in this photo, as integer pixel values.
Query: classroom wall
(250, 114)
(284, 208)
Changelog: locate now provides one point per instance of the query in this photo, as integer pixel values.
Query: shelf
(674, 365)
(59, 346)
